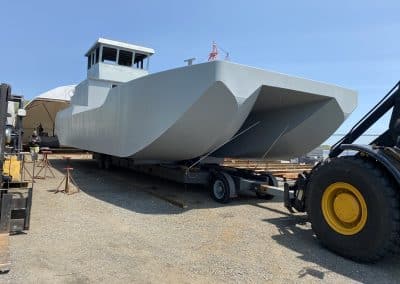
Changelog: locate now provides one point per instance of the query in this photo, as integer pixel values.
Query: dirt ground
(120, 229)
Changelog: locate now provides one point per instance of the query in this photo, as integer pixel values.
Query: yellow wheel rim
(344, 208)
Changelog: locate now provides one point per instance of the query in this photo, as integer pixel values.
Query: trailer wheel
(353, 207)
(219, 188)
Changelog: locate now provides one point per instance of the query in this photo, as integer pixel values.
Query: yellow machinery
(353, 201)
(13, 167)
(15, 195)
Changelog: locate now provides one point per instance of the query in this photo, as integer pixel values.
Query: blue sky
(349, 43)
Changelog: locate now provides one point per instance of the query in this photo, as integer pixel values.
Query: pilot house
(110, 63)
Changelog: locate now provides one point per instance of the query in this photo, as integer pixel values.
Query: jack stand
(45, 164)
(24, 169)
(67, 179)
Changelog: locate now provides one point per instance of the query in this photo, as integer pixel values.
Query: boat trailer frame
(237, 180)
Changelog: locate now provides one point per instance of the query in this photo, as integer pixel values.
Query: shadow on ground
(146, 194)
(295, 233)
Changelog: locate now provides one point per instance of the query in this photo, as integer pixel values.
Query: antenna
(226, 53)
(214, 52)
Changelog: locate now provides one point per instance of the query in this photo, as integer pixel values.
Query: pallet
(278, 169)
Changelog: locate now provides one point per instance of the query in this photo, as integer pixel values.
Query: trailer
(223, 183)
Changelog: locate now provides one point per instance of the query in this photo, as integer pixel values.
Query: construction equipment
(353, 201)
(15, 195)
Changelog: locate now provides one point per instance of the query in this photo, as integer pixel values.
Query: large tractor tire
(353, 206)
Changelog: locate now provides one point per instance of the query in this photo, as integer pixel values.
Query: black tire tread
(390, 192)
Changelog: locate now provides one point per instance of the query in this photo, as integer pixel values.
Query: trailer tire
(219, 188)
(353, 206)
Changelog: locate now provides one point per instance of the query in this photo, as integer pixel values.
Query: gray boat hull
(218, 108)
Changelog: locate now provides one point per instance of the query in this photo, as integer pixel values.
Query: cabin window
(109, 55)
(93, 57)
(113, 85)
(97, 54)
(139, 58)
(125, 58)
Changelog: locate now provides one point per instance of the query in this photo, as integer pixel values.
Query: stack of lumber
(277, 168)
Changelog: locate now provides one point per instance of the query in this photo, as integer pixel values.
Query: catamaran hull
(217, 108)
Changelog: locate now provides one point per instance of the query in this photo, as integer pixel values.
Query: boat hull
(218, 108)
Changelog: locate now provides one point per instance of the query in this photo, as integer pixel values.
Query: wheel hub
(218, 189)
(344, 208)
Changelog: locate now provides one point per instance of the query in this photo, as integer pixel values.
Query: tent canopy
(42, 110)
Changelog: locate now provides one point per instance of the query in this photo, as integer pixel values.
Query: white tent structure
(42, 110)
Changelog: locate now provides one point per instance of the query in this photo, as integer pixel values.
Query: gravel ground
(118, 230)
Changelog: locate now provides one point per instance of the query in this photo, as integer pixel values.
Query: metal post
(117, 59)
(100, 53)
(28, 209)
(5, 216)
(5, 92)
